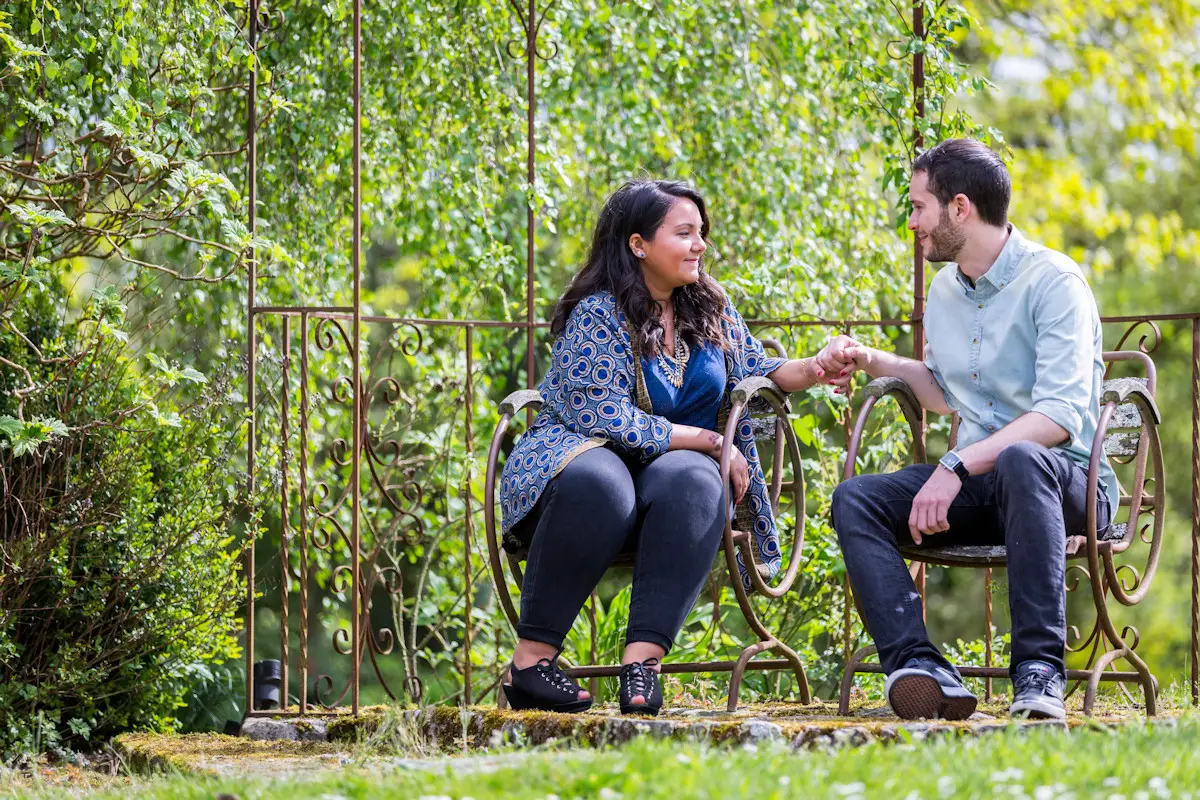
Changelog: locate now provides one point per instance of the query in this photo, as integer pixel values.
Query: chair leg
(1101, 664)
(735, 678)
(798, 669)
(501, 697)
(848, 677)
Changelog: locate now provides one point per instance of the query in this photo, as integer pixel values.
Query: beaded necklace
(675, 367)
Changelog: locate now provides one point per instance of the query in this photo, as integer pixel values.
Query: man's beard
(945, 241)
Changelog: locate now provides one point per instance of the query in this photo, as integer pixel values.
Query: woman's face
(672, 257)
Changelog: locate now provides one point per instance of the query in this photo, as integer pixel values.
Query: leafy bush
(117, 558)
(116, 567)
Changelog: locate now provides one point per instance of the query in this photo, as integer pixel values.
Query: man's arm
(980, 458)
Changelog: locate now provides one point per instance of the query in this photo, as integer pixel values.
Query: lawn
(1136, 761)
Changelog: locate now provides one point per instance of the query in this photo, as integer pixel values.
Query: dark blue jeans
(667, 512)
(1033, 499)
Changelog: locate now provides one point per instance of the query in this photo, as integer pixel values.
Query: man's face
(940, 237)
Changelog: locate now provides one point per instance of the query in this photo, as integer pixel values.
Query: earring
(641, 255)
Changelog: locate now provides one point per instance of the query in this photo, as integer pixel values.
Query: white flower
(609, 794)
(847, 789)
(1112, 781)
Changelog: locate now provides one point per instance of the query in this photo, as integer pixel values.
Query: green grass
(1138, 761)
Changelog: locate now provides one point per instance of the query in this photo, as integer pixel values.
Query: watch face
(950, 460)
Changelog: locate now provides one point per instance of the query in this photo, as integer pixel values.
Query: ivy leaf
(173, 374)
(147, 158)
(25, 437)
(36, 217)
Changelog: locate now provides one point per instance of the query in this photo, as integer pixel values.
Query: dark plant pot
(266, 684)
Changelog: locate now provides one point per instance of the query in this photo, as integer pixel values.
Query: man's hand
(833, 363)
(932, 503)
(840, 359)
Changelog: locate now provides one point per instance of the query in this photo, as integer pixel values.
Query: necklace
(675, 367)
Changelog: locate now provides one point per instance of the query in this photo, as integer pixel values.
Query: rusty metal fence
(321, 353)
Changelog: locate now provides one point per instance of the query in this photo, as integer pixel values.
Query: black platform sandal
(639, 678)
(544, 687)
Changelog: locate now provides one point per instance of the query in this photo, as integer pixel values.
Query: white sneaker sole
(1037, 709)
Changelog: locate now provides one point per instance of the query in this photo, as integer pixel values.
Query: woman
(623, 455)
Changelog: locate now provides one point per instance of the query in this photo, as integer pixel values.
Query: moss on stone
(194, 753)
(355, 727)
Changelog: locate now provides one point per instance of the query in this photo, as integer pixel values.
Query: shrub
(116, 567)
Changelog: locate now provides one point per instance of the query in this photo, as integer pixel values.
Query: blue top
(1026, 337)
(698, 400)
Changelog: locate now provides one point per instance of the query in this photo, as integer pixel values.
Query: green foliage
(118, 565)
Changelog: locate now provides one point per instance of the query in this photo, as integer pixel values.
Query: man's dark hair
(968, 167)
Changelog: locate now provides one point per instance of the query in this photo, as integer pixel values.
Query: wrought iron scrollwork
(531, 24)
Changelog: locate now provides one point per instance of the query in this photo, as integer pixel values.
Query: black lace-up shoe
(544, 687)
(1037, 691)
(924, 689)
(640, 679)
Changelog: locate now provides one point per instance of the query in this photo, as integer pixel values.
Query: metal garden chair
(1127, 433)
(772, 428)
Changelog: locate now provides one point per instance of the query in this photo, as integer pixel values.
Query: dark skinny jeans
(1031, 501)
(667, 512)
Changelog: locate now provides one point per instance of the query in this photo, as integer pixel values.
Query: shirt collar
(1005, 265)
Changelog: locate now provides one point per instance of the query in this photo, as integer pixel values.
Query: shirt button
(991, 427)
(974, 376)
(981, 305)
(989, 403)
(974, 341)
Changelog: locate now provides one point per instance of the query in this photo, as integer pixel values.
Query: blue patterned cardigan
(594, 395)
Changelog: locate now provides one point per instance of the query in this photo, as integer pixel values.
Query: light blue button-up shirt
(1026, 337)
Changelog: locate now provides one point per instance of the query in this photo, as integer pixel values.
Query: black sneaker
(924, 689)
(1037, 691)
(639, 679)
(544, 687)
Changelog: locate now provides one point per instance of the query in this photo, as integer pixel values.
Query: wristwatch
(952, 462)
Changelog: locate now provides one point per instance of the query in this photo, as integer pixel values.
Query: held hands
(932, 503)
(839, 359)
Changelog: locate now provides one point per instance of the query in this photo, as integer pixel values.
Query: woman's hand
(686, 437)
(840, 359)
(739, 474)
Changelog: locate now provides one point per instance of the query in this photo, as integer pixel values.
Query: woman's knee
(682, 476)
(599, 479)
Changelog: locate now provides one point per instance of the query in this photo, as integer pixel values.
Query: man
(1015, 348)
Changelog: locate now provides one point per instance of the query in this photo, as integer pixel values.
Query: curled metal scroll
(269, 20)
(324, 337)
(411, 343)
(517, 50)
(1155, 335)
(1134, 582)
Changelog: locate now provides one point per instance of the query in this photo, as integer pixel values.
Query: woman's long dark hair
(640, 207)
